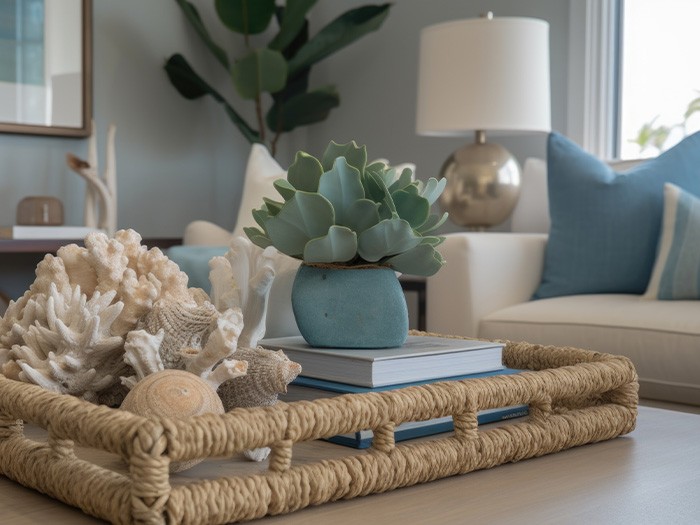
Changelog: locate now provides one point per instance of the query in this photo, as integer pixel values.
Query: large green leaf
(304, 217)
(260, 70)
(388, 237)
(302, 109)
(341, 32)
(191, 86)
(355, 155)
(305, 172)
(422, 260)
(341, 186)
(411, 207)
(192, 15)
(293, 20)
(340, 245)
(361, 215)
(248, 17)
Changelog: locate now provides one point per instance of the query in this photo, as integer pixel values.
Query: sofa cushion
(662, 338)
(676, 272)
(605, 225)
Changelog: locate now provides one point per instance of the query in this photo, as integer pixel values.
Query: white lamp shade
(484, 74)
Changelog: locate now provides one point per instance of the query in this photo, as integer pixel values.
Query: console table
(649, 476)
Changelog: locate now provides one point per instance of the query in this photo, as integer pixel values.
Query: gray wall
(178, 161)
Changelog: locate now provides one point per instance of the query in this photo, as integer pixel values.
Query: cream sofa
(485, 288)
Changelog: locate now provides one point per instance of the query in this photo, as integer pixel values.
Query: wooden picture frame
(34, 107)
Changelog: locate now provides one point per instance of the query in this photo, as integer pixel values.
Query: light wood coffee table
(649, 476)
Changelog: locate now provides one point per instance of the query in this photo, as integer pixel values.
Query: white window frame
(591, 115)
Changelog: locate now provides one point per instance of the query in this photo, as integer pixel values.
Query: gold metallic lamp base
(483, 184)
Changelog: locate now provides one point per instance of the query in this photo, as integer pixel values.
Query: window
(659, 80)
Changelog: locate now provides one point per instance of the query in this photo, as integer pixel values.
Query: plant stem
(261, 122)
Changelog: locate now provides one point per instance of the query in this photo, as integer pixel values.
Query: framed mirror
(46, 67)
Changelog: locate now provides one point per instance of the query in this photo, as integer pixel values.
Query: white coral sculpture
(67, 332)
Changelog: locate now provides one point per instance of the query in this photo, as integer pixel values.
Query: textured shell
(186, 327)
(173, 394)
(269, 373)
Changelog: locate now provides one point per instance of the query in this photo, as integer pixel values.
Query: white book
(46, 232)
(420, 358)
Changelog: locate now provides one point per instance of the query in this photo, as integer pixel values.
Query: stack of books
(328, 372)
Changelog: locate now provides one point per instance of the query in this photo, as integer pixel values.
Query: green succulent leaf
(339, 245)
(376, 190)
(272, 207)
(422, 260)
(362, 215)
(304, 217)
(247, 17)
(693, 107)
(341, 186)
(302, 109)
(388, 237)
(432, 240)
(284, 188)
(411, 207)
(433, 223)
(293, 19)
(433, 189)
(305, 172)
(355, 155)
(257, 237)
(401, 182)
(192, 15)
(339, 33)
(377, 167)
(260, 70)
(261, 216)
(191, 86)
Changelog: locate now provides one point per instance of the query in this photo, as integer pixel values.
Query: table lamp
(478, 75)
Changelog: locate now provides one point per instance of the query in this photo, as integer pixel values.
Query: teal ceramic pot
(350, 307)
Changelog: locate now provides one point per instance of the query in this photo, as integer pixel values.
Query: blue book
(309, 388)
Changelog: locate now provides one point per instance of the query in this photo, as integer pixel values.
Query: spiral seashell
(269, 373)
(173, 394)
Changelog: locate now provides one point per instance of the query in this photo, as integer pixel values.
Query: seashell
(173, 394)
(269, 373)
(184, 326)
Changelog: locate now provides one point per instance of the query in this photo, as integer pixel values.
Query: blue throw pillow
(605, 225)
(676, 272)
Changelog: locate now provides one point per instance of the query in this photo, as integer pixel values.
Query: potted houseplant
(273, 75)
(354, 225)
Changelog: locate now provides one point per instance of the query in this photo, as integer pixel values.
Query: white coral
(69, 347)
(242, 278)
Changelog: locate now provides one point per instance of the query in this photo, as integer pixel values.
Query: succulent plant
(342, 211)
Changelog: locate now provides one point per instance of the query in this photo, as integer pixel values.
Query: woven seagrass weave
(574, 396)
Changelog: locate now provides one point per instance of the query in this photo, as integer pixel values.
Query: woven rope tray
(575, 397)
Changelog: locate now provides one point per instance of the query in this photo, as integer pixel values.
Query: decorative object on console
(676, 273)
(606, 225)
(483, 74)
(341, 213)
(45, 232)
(40, 211)
(100, 192)
(281, 68)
